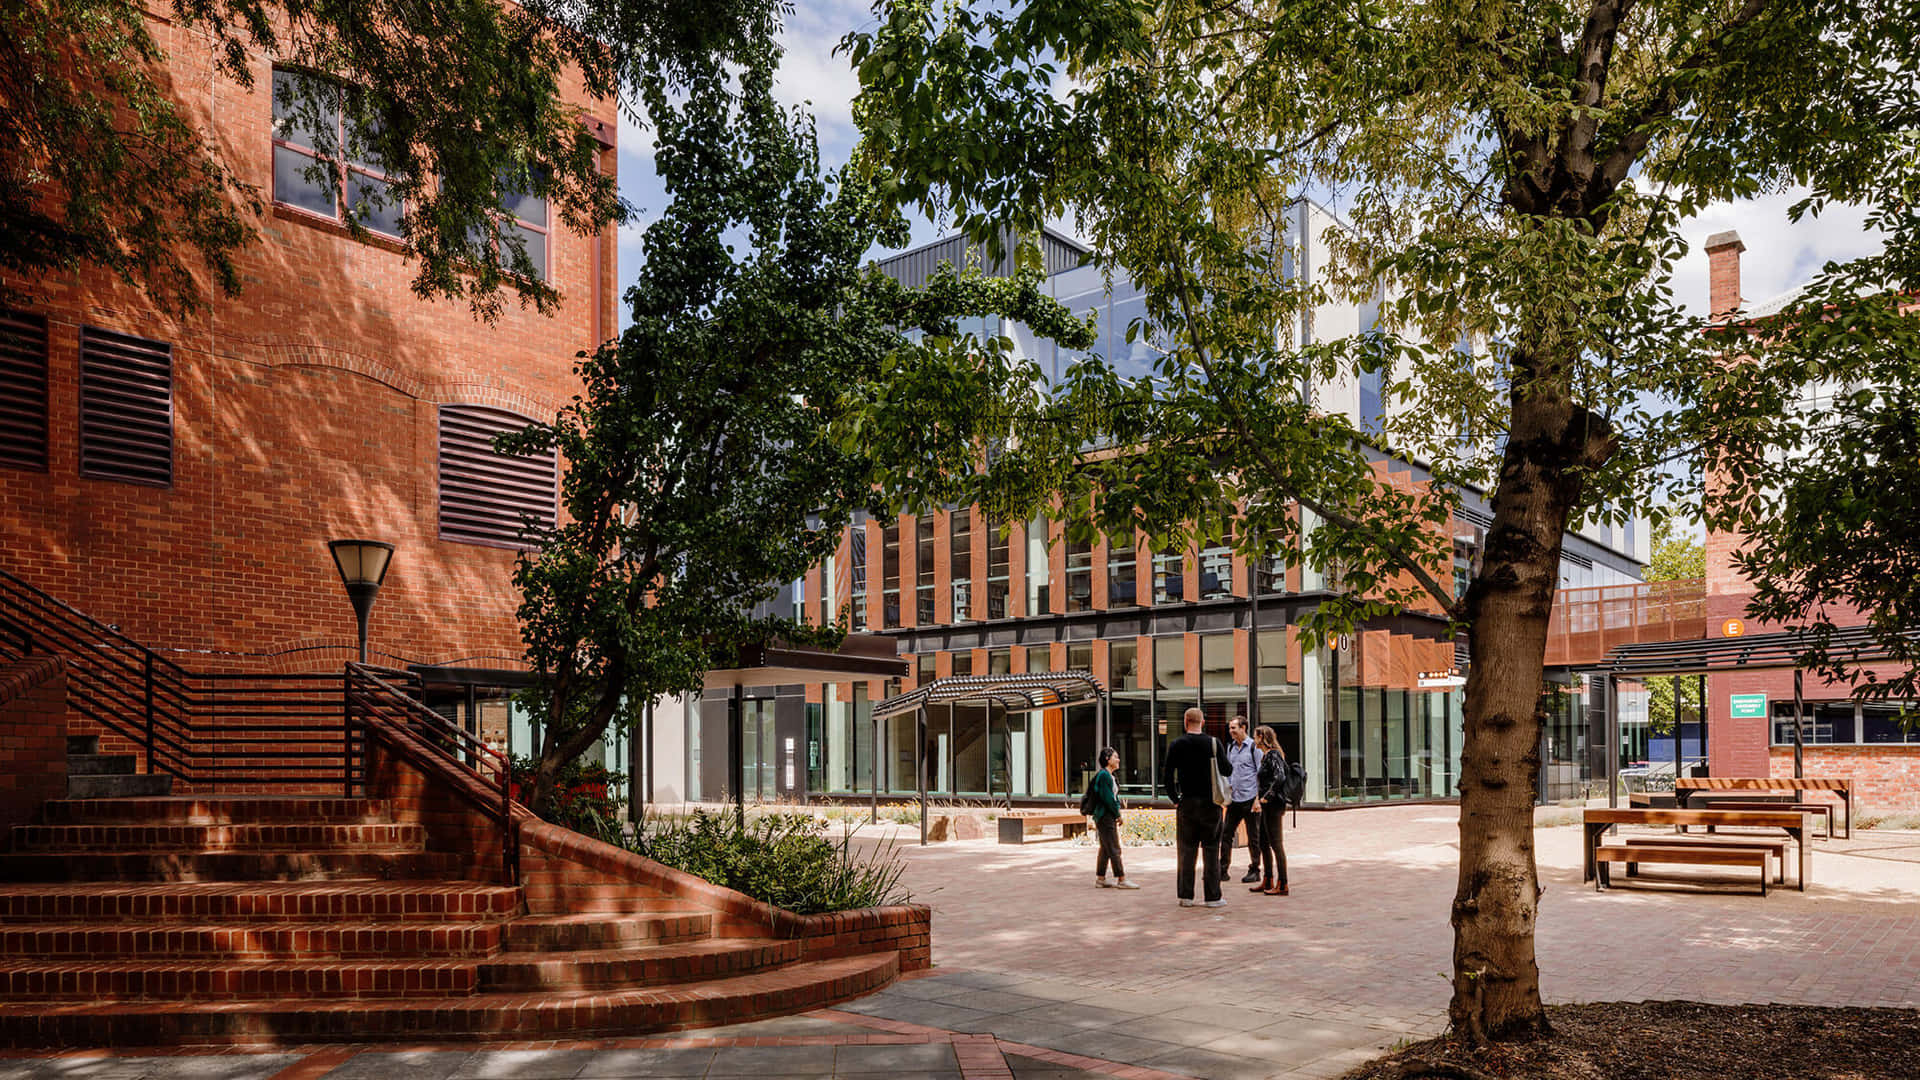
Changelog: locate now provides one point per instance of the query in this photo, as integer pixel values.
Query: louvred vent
(23, 390)
(126, 408)
(485, 497)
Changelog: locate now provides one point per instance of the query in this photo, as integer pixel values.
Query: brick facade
(1887, 775)
(33, 737)
(304, 409)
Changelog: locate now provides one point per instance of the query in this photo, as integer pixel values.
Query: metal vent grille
(126, 408)
(486, 497)
(23, 390)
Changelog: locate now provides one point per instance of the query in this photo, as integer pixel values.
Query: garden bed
(1680, 1040)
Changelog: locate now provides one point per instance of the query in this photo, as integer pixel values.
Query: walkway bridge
(1587, 624)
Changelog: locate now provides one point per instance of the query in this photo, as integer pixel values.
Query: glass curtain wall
(1279, 696)
(1130, 717)
(923, 570)
(960, 552)
(1038, 591)
(1120, 573)
(1079, 582)
(890, 576)
(998, 563)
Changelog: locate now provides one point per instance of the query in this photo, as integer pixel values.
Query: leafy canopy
(714, 451)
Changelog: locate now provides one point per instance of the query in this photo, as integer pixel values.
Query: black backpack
(1293, 787)
(1087, 801)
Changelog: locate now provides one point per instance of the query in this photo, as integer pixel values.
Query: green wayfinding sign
(1748, 705)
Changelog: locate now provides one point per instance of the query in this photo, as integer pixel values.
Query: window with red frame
(308, 122)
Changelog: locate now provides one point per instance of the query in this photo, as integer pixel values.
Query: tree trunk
(1496, 983)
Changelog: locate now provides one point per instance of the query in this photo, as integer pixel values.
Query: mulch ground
(1680, 1040)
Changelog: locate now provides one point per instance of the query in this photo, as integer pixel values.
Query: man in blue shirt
(1245, 782)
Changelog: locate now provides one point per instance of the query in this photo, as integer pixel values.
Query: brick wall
(33, 737)
(444, 803)
(305, 409)
(1885, 778)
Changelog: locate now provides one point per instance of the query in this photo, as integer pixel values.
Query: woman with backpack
(1102, 804)
(1269, 805)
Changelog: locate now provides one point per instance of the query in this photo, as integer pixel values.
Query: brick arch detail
(489, 391)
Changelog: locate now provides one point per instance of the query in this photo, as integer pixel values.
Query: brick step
(227, 865)
(231, 980)
(139, 785)
(564, 933)
(216, 810)
(100, 764)
(531, 972)
(261, 902)
(472, 939)
(791, 989)
(83, 744)
(220, 838)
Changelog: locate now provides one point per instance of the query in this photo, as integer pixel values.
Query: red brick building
(185, 474)
(1843, 738)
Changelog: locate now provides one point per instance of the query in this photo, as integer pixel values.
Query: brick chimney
(1723, 273)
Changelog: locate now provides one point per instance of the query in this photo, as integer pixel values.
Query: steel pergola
(1708, 656)
(1027, 692)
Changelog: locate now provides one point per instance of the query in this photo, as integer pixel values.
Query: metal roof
(1854, 644)
(1026, 692)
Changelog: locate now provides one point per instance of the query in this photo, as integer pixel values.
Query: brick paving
(1042, 977)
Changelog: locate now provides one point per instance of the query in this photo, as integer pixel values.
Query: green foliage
(462, 102)
(582, 797)
(718, 447)
(786, 860)
(1514, 176)
(1675, 556)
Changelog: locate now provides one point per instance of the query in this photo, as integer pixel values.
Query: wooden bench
(1773, 847)
(1687, 788)
(1017, 825)
(1823, 811)
(1634, 854)
(1597, 821)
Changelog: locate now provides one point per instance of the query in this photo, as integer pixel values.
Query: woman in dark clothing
(1106, 821)
(1269, 805)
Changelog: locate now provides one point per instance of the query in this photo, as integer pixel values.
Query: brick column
(1723, 273)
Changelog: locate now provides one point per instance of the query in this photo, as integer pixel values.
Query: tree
(714, 452)
(1675, 556)
(1513, 174)
(460, 101)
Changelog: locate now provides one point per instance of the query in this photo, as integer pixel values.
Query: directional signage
(1748, 706)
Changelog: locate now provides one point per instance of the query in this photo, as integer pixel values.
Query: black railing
(209, 730)
(384, 704)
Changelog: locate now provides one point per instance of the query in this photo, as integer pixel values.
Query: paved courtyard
(1040, 976)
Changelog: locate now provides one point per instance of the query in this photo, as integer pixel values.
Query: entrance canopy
(1028, 692)
(782, 663)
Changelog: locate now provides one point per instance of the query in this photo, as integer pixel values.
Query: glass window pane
(299, 120)
(533, 244)
(292, 185)
(374, 204)
(524, 205)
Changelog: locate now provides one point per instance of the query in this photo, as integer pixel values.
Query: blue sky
(1779, 256)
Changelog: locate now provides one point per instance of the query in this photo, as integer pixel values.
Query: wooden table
(1597, 821)
(1685, 788)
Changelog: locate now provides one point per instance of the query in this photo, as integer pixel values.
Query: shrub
(786, 860)
(582, 799)
(1139, 828)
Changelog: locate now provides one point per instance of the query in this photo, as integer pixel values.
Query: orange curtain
(1056, 737)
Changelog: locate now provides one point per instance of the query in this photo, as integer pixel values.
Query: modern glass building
(1375, 717)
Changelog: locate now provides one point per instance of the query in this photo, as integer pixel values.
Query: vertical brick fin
(486, 497)
(23, 390)
(126, 408)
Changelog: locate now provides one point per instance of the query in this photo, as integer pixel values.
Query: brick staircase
(287, 919)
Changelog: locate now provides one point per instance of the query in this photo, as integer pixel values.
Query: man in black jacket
(1196, 815)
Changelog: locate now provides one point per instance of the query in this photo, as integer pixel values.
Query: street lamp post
(363, 566)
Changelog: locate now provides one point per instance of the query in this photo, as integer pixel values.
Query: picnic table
(1687, 787)
(1598, 821)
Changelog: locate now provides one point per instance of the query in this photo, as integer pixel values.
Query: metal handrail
(201, 728)
(375, 701)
